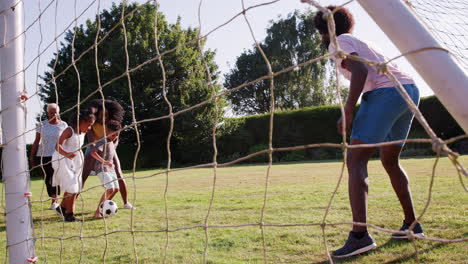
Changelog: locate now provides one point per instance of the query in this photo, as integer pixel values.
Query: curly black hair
(113, 125)
(84, 114)
(114, 110)
(344, 20)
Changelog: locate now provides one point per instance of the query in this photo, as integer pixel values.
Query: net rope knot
(341, 54)
(382, 68)
(439, 146)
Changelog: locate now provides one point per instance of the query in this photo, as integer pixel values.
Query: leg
(67, 201)
(107, 195)
(52, 191)
(390, 157)
(122, 183)
(71, 200)
(358, 185)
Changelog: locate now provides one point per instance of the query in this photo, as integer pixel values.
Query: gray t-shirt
(107, 152)
(50, 134)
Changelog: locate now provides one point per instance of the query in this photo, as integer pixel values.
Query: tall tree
(186, 77)
(289, 41)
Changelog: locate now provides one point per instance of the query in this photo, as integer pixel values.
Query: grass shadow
(406, 257)
(345, 260)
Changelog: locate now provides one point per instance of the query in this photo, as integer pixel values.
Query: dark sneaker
(355, 246)
(71, 218)
(417, 230)
(60, 210)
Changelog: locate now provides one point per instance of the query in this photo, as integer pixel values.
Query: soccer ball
(108, 208)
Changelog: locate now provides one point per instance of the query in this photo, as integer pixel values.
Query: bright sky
(229, 41)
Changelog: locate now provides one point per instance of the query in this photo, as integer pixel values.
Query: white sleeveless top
(67, 172)
(74, 142)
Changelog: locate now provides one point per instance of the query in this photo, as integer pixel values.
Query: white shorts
(108, 179)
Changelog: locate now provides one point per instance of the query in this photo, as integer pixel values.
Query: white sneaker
(54, 206)
(129, 206)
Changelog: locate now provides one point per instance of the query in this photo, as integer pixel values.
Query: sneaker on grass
(417, 230)
(129, 206)
(69, 217)
(54, 206)
(355, 246)
(60, 210)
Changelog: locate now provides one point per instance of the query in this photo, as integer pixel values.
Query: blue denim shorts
(384, 115)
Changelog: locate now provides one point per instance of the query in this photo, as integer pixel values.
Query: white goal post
(20, 241)
(445, 77)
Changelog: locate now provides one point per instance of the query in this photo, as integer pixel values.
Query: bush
(412, 152)
(297, 155)
(261, 157)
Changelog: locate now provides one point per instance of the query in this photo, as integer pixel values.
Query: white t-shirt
(349, 44)
(49, 137)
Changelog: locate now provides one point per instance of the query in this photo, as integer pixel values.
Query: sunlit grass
(298, 193)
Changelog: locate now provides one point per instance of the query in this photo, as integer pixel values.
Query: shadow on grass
(389, 244)
(406, 257)
(88, 217)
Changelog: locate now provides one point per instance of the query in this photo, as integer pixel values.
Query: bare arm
(67, 133)
(358, 78)
(96, 156)
(34, 148)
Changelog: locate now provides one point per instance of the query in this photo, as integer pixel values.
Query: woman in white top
(47, 134)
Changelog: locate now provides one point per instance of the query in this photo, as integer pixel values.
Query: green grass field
(298, 193)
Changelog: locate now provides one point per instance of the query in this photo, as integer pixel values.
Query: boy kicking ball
(104, 152)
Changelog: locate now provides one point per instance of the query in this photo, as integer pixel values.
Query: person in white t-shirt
(383, 116)
(47, 135)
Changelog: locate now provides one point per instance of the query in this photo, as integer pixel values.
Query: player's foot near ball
(97, 215)
(357, 243)
(129, 206)
(69, 217)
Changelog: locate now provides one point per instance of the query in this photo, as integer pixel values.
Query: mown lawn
(298, 193)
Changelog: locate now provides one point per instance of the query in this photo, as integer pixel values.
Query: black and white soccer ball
(108, 208)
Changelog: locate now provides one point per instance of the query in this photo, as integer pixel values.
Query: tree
(186, 82)
(289, 41)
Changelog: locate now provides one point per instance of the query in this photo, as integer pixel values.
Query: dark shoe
(355, 246)
(417, 230)
(60, 210)
(71, 218)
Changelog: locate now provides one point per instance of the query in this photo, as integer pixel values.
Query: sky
(229, 41)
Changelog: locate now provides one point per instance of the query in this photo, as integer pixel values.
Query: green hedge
(312, 125)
